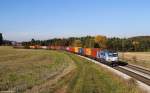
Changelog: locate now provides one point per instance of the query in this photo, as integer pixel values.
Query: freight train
(102, 55)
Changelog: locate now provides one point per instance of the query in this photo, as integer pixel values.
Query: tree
(32, 41)
(87, 41)
(77, 43)
(101, 41)
(136, 45)
(1, 39)
(114, 43)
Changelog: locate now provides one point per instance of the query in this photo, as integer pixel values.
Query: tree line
(4, 42)
(138, 43)
(141, 43)
(1, 39)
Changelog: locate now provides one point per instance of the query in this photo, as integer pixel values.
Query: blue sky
(22, 20)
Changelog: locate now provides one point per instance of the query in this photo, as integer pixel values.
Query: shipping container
(44, 47)
(67, 48)
(81, 51)
(52, 47)
(57, 47)
(87, 51)
(32, 47)
(48, 47)
(62, 47)
(84, 51)
(72, 49)
(38, 47)
(94, 52)
(76, 49)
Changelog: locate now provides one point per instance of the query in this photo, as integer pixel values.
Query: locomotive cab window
(112, 54)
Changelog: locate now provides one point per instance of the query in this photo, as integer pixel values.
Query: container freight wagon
(67, 48)
(72, 49)
(38, 47)
(81, 51)
(76, 49)
(94, 52)
(87, 52)
(52, 47)
(44, 47)
(62, 48)
(48, 47)
(57, 47)
(32, 47)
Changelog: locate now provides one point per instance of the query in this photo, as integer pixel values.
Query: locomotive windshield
(111, 54)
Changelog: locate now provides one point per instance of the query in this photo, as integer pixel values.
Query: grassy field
(43, 71)
(137, 58)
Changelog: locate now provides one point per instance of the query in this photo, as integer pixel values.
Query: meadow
(48, 71)
(136, 58)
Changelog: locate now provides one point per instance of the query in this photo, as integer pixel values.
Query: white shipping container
(44, 47)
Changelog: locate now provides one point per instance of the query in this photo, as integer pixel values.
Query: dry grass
(22, 69)
(137, 58)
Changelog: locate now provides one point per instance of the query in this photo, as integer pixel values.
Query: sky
(22, 20)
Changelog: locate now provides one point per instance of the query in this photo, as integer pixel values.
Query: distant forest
(1, 39)
(138, 43)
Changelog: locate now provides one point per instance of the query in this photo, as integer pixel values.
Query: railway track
(139, 69)
(138, 73)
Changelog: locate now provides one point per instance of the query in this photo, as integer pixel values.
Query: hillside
(140, 38)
